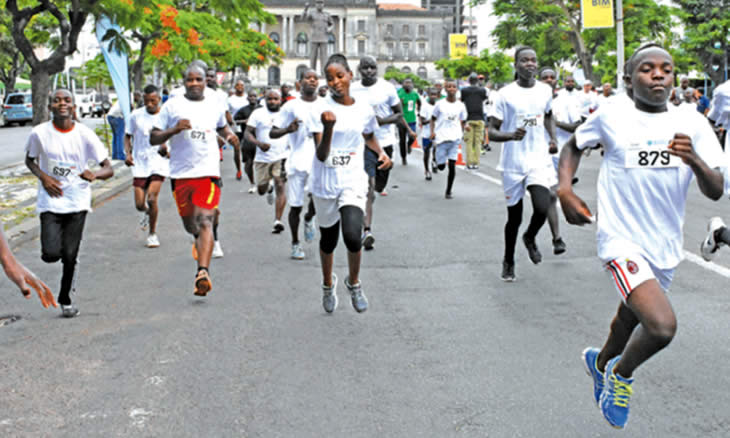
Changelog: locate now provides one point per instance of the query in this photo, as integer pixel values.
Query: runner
(57, 153)
(149, 168)
(719, 114)
(235, 102)
(190, 124)
(652, 152)
(588, 99)
(297, 117)
(425, 118)
(411, 103)
(383, 98)
(474, 97)
(248, 150)
(447, 130)
(270, 155)
(339, 181)
(567, 119)
(522, 118)
(323, 91)
(22, 277)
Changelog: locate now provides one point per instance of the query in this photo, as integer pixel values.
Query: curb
(30, 229)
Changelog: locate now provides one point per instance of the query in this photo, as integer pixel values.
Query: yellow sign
(457, 45)
(597, 13)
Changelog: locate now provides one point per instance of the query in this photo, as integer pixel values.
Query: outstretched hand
(576, 211)
(21, 276)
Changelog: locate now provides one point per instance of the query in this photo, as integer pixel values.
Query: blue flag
(118, 65)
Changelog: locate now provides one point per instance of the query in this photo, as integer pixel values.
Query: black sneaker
(532, 250)
(559, 246)
(508, 272)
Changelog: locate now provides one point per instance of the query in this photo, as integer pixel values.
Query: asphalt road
(446, 349)
(13, 138)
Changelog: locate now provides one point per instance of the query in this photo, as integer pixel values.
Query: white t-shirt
(345, 165)
(301, 141)
(565, 111)
(519, 107)
(193, 152)
(720, 105)
(588, 102)
(426, 113)
(147, 160)
(234, 104)
(382, 96)
(64, 156)
(640, 203)
(262, 120)
(449, 116)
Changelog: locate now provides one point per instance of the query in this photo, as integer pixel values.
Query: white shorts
(447, 150)
(627, 273)
(297, 187)
(515, 185)
(328, 209)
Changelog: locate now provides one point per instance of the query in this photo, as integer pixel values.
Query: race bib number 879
(651, 154)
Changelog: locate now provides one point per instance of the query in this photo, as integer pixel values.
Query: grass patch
(25, 179)
(16, 216)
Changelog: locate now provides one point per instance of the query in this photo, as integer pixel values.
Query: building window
(422, 49)
(406, 50)
(389, 49)
(389, 29)
(405, 69)
(360, 47)
(275, 37)
(302, 41)
(301, 69)
(274, 76)
(421, 30)
(406, 29)
(330, 44)
(422, 72)
(361, 25)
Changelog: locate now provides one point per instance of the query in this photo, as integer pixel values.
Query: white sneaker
(278, 227)
(153, 241)
(252, 190)
(217, 250)
(144, 220)
(709, 246)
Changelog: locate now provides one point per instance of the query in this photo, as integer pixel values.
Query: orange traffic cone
(415, 145)
(460, 159)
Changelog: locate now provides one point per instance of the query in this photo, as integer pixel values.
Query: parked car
(18, 108)
(84, 104)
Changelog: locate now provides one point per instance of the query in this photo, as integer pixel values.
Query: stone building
(402, 35)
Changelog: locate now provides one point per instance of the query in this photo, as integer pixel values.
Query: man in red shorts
(191, 124)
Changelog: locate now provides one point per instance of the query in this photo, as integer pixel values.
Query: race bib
(340, 158)
(411, 106)
(652, 154)
(62, 170)
(527, 121)
(199, 135)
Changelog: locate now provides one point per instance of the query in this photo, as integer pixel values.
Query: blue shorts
(371, 162)
(447, 150)
(426, 143)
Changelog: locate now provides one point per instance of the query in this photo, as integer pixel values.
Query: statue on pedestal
(321, 25)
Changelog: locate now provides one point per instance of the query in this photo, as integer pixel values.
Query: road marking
(139, 416)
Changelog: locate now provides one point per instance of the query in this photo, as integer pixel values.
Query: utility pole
(620, 44)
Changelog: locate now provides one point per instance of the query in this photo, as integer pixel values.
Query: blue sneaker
(309, 230)
(590, 355)
(615, 397)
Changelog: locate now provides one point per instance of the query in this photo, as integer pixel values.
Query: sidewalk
(18, 191)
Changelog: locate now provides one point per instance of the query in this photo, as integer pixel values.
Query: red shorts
(195, 192)
(144, 183)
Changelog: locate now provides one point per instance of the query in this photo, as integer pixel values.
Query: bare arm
(372, 143)
(158, 136)
(550, 128)
(250, 137)
(105, 172)
(51, 185)
(128, 160)
(228, 135)
(277, 132)
(710, 181)
(22, 277)
(575, 210)
(323, 140)
(496, 134)
(396, 117)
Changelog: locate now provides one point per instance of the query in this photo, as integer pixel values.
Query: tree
(11, 60)
(553, 28)
(95, 71)
(393, 73)
(706, 25)
(497, 66)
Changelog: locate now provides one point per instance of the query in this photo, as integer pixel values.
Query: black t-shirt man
(473, 98)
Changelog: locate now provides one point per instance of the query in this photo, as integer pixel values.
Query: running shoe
(359, 300)
(709, 246)
(532, 250)
(297, 253)
(217, 250)
(252, 190)
(449, 195)
(434, 168)
(144, 221)
(329, 295)
(428, 176)
(615, 397)
(590, 356)
(278, 227)
(239, 175)
(69, 310)
(559, 246)
(203, 285)
(153, 241)
(508, 272)
(368, 240)
(270, 195)
(384, 193)
(309, 230)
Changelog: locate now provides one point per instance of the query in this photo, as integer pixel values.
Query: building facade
(408, 37)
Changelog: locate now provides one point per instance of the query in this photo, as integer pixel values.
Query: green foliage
(393, 73)
(95, 72)
(497, 67)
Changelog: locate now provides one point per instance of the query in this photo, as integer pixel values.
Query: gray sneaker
(359, 300)
(329, 296)
(709, 246)
(69, 311)
(297, 253)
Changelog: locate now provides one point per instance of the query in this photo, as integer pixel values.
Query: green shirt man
(410, 101)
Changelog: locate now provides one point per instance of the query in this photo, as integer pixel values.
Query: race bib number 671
(651, 154)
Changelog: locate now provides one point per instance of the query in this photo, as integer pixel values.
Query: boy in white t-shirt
(149, 168)
(652, 153)
(424, 117)
(522, 118)
(447, 130)
(58, 152)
